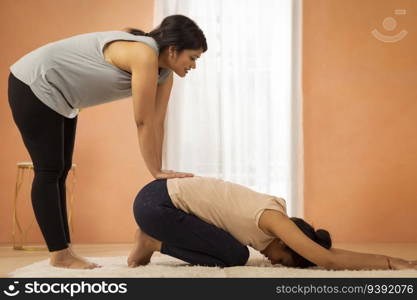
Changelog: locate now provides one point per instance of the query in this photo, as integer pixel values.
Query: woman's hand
(401, 264)
(166, 174)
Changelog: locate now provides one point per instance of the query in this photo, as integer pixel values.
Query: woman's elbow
(147, 122)
(139, 123)
(142, 122)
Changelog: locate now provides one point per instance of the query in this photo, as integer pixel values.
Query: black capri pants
(184, 235)
(49, 138)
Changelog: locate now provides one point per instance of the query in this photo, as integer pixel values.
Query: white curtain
(237, 116)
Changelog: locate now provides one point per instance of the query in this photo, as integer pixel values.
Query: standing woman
(48, 86)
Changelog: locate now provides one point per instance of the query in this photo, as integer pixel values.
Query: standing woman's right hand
(166, 174)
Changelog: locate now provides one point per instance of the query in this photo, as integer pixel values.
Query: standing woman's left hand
(166, 174)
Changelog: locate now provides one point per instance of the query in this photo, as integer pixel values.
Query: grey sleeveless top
(71, 73)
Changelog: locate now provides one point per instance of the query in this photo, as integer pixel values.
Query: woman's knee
(47, 175)
(147, 209)
(49, 166)
(239, 257)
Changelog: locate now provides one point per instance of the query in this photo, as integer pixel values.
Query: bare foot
(66, 258)
(143, 249)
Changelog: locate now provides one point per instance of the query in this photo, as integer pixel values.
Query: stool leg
(18, 234)
(16, 224)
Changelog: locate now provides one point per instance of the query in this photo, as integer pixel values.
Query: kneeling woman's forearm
(349, 260)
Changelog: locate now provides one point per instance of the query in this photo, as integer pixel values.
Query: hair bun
(323, 238)
(135, 31)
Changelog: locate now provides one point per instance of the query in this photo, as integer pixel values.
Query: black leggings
(183, 235)
(49, 138)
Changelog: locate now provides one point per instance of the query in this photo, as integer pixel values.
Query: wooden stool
(19, 234)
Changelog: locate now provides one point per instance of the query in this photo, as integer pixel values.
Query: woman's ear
(172, 51)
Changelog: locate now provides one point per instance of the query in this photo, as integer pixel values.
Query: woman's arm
(162, 97)
(278, 224)
(142, 62)
(349, 260)
(144, 68)
(386, 262)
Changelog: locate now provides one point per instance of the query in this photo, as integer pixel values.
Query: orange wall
(360, 120)
(110, 168)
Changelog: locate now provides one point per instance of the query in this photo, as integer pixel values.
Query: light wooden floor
(12, 259)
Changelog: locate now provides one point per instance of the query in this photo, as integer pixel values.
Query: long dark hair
(176, 30)
(320, 236)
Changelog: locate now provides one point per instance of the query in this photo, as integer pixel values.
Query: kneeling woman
(209, 222)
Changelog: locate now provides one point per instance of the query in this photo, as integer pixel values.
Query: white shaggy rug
(166, 266)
